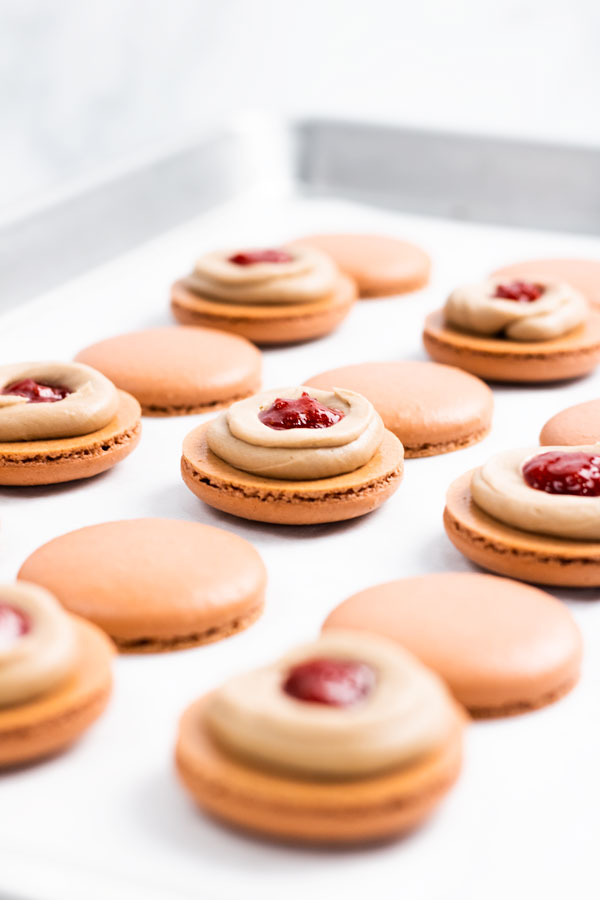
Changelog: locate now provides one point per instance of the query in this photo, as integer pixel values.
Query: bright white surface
(84, 85)
(109, 818)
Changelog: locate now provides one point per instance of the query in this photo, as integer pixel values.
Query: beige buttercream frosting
(91, 405)
(499, 489)
(407, 714)
(240, 438)
(560, 309)
(43, 657)
(309, 276)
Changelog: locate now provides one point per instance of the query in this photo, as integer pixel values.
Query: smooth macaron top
(575, 426)
(582, 274)
(151, 579)
(379, 264)
(178, 367)
(500, 645)
(423, 403)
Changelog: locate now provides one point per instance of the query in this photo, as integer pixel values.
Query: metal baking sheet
(108, 818)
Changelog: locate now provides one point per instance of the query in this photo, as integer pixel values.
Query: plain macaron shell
(575, 426)
(431, 408)
(502, 647)
(153, 584)
(178, 370)
(380, 265)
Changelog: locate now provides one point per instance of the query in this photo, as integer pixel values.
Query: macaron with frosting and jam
(294, 456)
(380, 265)
(582, 274)
(154, 584)
(178, 371)
(55, 674)
(61, 422)
(502, 647)
(346, 740)
(532, 513)
(516, 330)
(271, 296)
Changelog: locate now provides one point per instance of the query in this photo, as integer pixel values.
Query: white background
(109, 819)
(84, 85)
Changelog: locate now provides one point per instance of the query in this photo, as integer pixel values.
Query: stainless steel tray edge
(459, 176)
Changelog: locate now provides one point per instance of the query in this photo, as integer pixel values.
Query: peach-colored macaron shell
(178, 368)
(379, 264)
(574, 426)
(152, 580)
(432, 408)
(502, 646)
(583, 274)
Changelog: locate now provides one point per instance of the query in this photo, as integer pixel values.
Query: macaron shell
(497, 359)
(153, 584)
(25, 463)
(52, 721)
(519, 554)
(286, 323)
(432, 409)
(379, 264)
(502, 647)
(574, 426)
(177, 371)
(583, 274)
(290, 502)
(312, 812)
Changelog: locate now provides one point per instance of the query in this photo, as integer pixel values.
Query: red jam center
(334, 682)
(251, 257)
(36, 392)
(13, 625)
(521, 291)
(304, 412)
(559, 472)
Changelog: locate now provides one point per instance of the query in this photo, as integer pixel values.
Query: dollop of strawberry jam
(13, 625)
(36, 392)
(564, 472)
(303, 412)
(251, 257)
(521, 291)
(333, 682)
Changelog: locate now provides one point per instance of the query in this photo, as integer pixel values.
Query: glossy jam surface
(251, 257)
(521, 291)
(564, 472)
(13, 625)
(303, 412)
(333, 682)
(36, 392)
